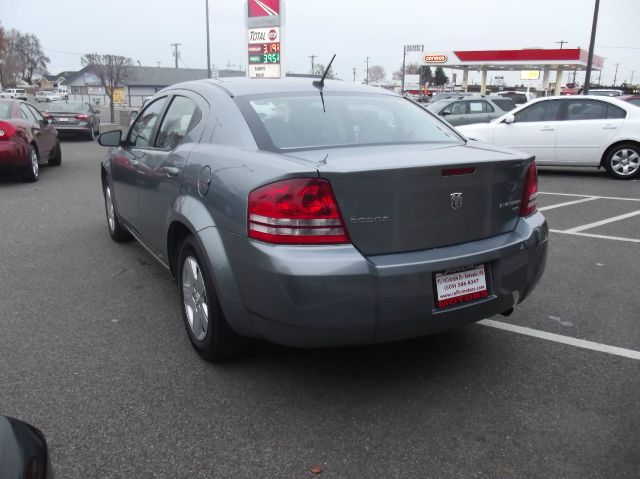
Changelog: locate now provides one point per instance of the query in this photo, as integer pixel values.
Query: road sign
(413, 48)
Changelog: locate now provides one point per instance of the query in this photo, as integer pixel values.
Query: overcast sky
(143, 30)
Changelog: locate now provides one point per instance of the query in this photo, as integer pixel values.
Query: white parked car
(47, 96)
(14, 94)
(570, 131)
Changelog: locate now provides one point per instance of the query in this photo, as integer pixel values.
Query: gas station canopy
(536, 59)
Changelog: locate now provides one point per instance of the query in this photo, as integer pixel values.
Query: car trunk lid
(407, 198)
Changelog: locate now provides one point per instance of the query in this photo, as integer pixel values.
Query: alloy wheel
(34, 162)
(194, 294)
(625, 162)
(111, 212)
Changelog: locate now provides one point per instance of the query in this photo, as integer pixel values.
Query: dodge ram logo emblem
(456, 201)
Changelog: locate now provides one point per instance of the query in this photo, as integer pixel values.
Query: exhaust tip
(507, 312)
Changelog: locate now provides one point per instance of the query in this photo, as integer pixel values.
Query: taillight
(296, 211)
(530, 194)
(7, 130)
(82, 117)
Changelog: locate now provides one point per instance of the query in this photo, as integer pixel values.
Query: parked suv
(14, 94)
(468, 110)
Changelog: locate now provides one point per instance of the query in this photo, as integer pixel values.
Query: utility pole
(599, 77)
(176, 53)
(632, 72)
(615, 77)
(561, 42)
(208, 47)
(354, 75)
(313, 64)
(404, 57)
(367, 81)
(159, 63)
(592, 44)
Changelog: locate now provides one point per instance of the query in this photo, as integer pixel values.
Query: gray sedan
(466, 111)
(321, 215)
(74, 117)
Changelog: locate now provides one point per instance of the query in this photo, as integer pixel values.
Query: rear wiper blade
(319, 84)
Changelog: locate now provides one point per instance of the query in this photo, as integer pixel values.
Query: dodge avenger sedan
(571, 131)
(321, 214)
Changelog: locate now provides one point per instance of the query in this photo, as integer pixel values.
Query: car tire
(91, 135)
(623, 161)
(117, 232)
(31, 173)
(56, 159)
(208, 330)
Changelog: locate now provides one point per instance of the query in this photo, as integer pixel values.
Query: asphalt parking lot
(94, 353)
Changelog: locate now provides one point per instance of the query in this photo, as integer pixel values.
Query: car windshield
(66, 106)
(297, 121)
(5, 109)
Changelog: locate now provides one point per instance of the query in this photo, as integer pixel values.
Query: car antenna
(320, 84)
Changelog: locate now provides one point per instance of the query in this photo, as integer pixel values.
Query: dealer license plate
(461, 285)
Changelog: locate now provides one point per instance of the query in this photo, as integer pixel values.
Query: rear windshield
(505, 104)
(297, 121)
(66, 106)
(5, 109)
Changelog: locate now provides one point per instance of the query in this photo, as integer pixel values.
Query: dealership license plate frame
(467, 295)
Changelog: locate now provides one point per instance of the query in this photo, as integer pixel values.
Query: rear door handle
(609, 127)
(547, 128)
(171, 171)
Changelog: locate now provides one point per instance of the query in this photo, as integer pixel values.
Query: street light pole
(592, 44)
(208, 47)
(354, 75)
(615, 76)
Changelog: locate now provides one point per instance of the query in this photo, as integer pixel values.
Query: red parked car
(633, 99)
(27, 140)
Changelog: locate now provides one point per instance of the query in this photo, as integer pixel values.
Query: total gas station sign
(264, 38)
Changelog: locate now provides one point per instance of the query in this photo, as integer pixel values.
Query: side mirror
(110, 138)
(509, 119)
(25, 452)
(133, 114)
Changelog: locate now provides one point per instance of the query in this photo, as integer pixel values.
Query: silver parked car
(469, 110)
(321, 215)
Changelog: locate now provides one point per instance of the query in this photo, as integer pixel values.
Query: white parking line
(574, 202)
(602, 222)
(580, 343)
(589, 196)
(591, 235)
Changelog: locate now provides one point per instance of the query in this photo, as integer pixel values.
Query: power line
(61, 51)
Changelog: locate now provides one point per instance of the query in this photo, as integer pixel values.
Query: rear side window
(480, 106)
(615, 112)
(586, 110)
(36, 114)
(141, 130)
(542, 111)
(182, 116)
(26, 114)
(455, 108)
(505, 105)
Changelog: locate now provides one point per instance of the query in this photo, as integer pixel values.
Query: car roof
(246, 86)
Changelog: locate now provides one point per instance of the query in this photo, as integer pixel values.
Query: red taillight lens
(296, 211)
(530, 194)
(7, 130)
(82, 117)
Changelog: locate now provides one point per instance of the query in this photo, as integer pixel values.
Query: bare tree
(112, 70)
(319, 70)
(376, 73)
(410, 69)
(34, 61)
(11, 63)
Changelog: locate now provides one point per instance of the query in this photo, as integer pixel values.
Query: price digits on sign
(270, 48)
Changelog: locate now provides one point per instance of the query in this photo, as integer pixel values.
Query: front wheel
(208, 330)
(116, 230)
(623, 161)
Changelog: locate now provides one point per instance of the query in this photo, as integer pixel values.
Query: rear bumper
(334, 296)
(13, 155)
(79, 128)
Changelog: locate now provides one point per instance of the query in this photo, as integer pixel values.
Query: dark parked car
(74, 117)
(633, 99)
(469, 110)
(321, 215)
(24, 453)
(26, 140)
